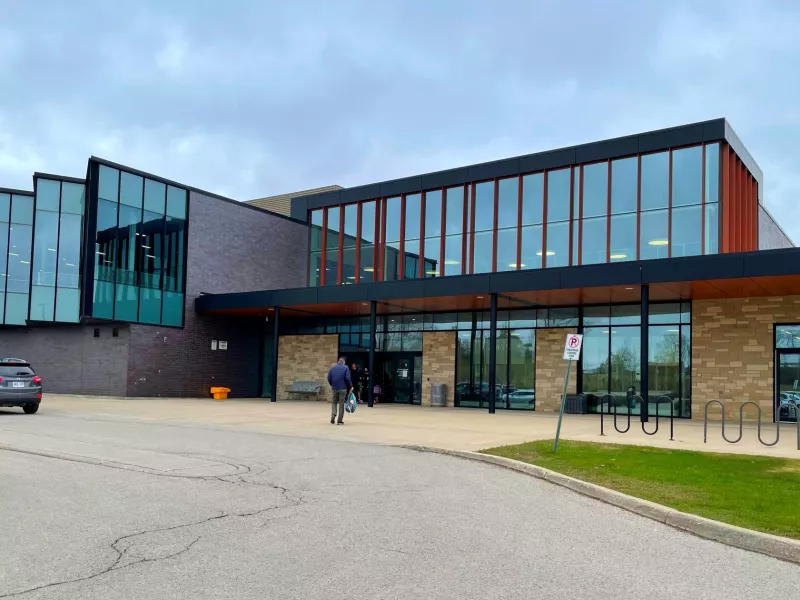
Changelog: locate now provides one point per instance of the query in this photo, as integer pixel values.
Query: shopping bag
(350, 403)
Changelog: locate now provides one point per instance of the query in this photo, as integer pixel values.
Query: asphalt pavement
(99, 507)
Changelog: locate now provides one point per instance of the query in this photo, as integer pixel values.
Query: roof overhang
(740, 275)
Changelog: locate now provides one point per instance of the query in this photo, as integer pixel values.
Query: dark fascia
(715, 130)
(190, 188)
(764, 263)
(38, 175)
(15, 192)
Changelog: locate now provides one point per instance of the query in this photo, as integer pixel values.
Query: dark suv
(19, 385)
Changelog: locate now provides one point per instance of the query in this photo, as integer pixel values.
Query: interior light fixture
(369, 269)
(101, 253)
(514, 265)
(479, 297)
(431, 272)
(628, 288)
(672, 331)
(51, 249)
(618, 256)
(25, 262)
(13, 254)
(150, 256)
(351, 276)
(452, 262)
(658, 242)
(70, 265)
(147, 247)
(548, 253)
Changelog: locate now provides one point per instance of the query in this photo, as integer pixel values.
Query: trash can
(438, 394)
(220, 393)
(576, 404)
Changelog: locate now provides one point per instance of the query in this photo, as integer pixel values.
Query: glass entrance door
(787, 388)
(401, 378)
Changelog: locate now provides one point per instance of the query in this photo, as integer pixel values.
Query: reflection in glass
(507, 249)
(332, 246)
(655, 181)
(349, 240)
(45, 250)
(531, 247)
(47, 194)
(712, 173)
(558, 198)
(315, 248)
(533, 199)
(484, 221)
(625, 364)
(130, 190)
(19, 257)
(507, 203)
(595, 190)
(623, 237)
(155, 197)
(367, 259)
(483, 252)
(73, 198)
(454, 227)
(787, 336)
(687, 173)
(593, 241)
(654, 236)
(686, 231)
(624, 175)
(712, 229)
(433, 232)
(595, 362)
(664, 366)
(557, 254)
(392, 240)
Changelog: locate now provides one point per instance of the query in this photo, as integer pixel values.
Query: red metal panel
(608, 214)
(519, 222)
(494, 224)
(638, 206)
(544, 219)
(703, 204)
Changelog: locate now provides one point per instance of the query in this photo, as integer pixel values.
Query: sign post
(572, 351)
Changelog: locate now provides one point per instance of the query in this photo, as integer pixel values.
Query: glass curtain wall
(557, 251)
(433, 233)
(55, 287)
(411, 257)
(349, 244)
(140, 259)
(367, 233)
(332, 247)
(315, 249)
(391, 239)
(507, 221)
(454, 231)
(16, 237)
(483, 237)
(532, 219)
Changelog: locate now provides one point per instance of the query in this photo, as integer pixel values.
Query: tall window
(687, 194)
(595, 208)
(349, 242)
(532, 219)
(315, 249)
(16, 220)
(367, 258)
(654, 219)
(558, 200)
(454, 230)
(507, 217)
(483, 244)
(391, 239)
(711, 220)
(411, 257)
(433, 232)
(624, 186)
(332, 247)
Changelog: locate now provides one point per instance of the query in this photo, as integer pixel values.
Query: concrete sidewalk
(451, 428)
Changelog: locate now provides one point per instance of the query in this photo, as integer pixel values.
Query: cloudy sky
(253, 98)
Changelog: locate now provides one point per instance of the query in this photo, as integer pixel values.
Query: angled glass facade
(16, 241)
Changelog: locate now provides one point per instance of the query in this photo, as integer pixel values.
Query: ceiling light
(25, 262)
(351, 276)
(658, 242)
(479, 297)
(628, 288)
(618, 256)
(369, 269)
(143, 246)
(431, 272)
(13, 254)
(70, 265)
(548, 253)
(364, 303)
(51, 249)
(149, 256)
(514, 265)
(452, 262)
(672, 331)
(101, 253)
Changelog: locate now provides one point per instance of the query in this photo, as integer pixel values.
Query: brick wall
(306, 358)
(438, 363)
(232, 248)
(733, 353)
(551, 368)
(70, 359)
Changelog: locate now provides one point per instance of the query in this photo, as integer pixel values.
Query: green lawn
(756, 492)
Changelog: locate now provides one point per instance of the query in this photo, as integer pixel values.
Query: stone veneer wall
(306, 358)
(551, 368)
(733, 353)
(438, 363)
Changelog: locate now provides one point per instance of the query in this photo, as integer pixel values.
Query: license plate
(18, 384)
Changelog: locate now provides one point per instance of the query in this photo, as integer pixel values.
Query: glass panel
(73, 196)
(5, 208)
(596, 315)
(625, 364)
(19, 259)
(532, 247)
(127, 244)
(366, 263)
(463, 395)
(593, 242)
(411, 260)
(484, 208)
(557, 254)
(174, 258)
(68, 305)
(130, 190)
(43, 302)
(712, 173)
(452, 254)
(558, 197)
(575, 234)
(16, 309)
(623, 237)
(151, 260)
(3, 261)
(22, 209)
(684, 403)
(686, 231)
(126, 302)
(103, 301)
(367, 260)
(665, 313)
(595, 191)
(533, 199)
(788, 398)
(655, 181)
(69, 250)
(522, 318)
(392, 239)
(47, 194)
(149, 305)
(173, 309)
(654, 234)
(483, 252)
(664, 366)
(316, 230)
(413, 209)
(45, 249)
(315, 246)
(687, 174)
(501, 371)
(507, 249)
(155, 196)
(624, 175)
(108, 184)
(348, 266)
(332, 245)
(787, 336)
(630, 314)
(595, 363)
(712, 229)
(433, 214)
(507, 202)
(350, 226)
(455, 210)
(176, 202)
(562, 317)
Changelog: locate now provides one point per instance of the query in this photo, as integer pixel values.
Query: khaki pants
(339, 397)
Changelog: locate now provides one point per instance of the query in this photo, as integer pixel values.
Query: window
(687, 173)
(654, 236)
(532, 219)
(454, 230)
(593, 241)
(484, 223)
(332, 247)
(367, 258)
(685, 239)
(655, 181)
(712, 173)
(595, 190)
(315, 248)
(557, 254)
(412, 236)
(507, 216)
(624, 180)
(712, 229)
(558, 206)
(433, 232)
(349, 240)
(623, 237)
(391, 270)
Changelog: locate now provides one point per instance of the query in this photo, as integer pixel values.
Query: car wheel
(30, 409)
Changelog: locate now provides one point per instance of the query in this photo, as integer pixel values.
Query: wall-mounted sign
(223, 345)
(213, 344)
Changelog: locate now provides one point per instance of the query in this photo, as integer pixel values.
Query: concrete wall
(232, 248)
(306, 358)
(770, 234)
(438, 363)
(551, 368)
(733, 353)
(70, 359)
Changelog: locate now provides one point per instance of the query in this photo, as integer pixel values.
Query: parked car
(521, 398)
(20, 386)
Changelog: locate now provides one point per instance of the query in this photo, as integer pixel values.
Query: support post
(276, 326)
(644, 358)
(563, 404)
(373, 320)
(493, 354)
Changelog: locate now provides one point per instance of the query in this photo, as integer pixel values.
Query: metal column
(275, 326)
(644, 358)
(492, 353)
(373, 319)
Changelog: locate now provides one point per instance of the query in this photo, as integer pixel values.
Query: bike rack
(741, 423)
(641, 402)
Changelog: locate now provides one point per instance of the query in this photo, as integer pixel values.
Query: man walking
(342, 384)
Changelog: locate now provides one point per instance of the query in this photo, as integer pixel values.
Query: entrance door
(787, 388)
(401, 380)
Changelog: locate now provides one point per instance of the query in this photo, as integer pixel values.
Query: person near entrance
(339, 379)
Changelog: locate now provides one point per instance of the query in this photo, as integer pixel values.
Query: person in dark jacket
(342, 384)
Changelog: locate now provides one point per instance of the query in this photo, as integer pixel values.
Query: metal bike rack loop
(741, 423)
(641, 403)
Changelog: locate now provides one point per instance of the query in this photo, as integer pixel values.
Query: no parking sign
(572, 349)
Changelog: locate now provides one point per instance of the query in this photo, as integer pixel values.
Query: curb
(764, 543)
